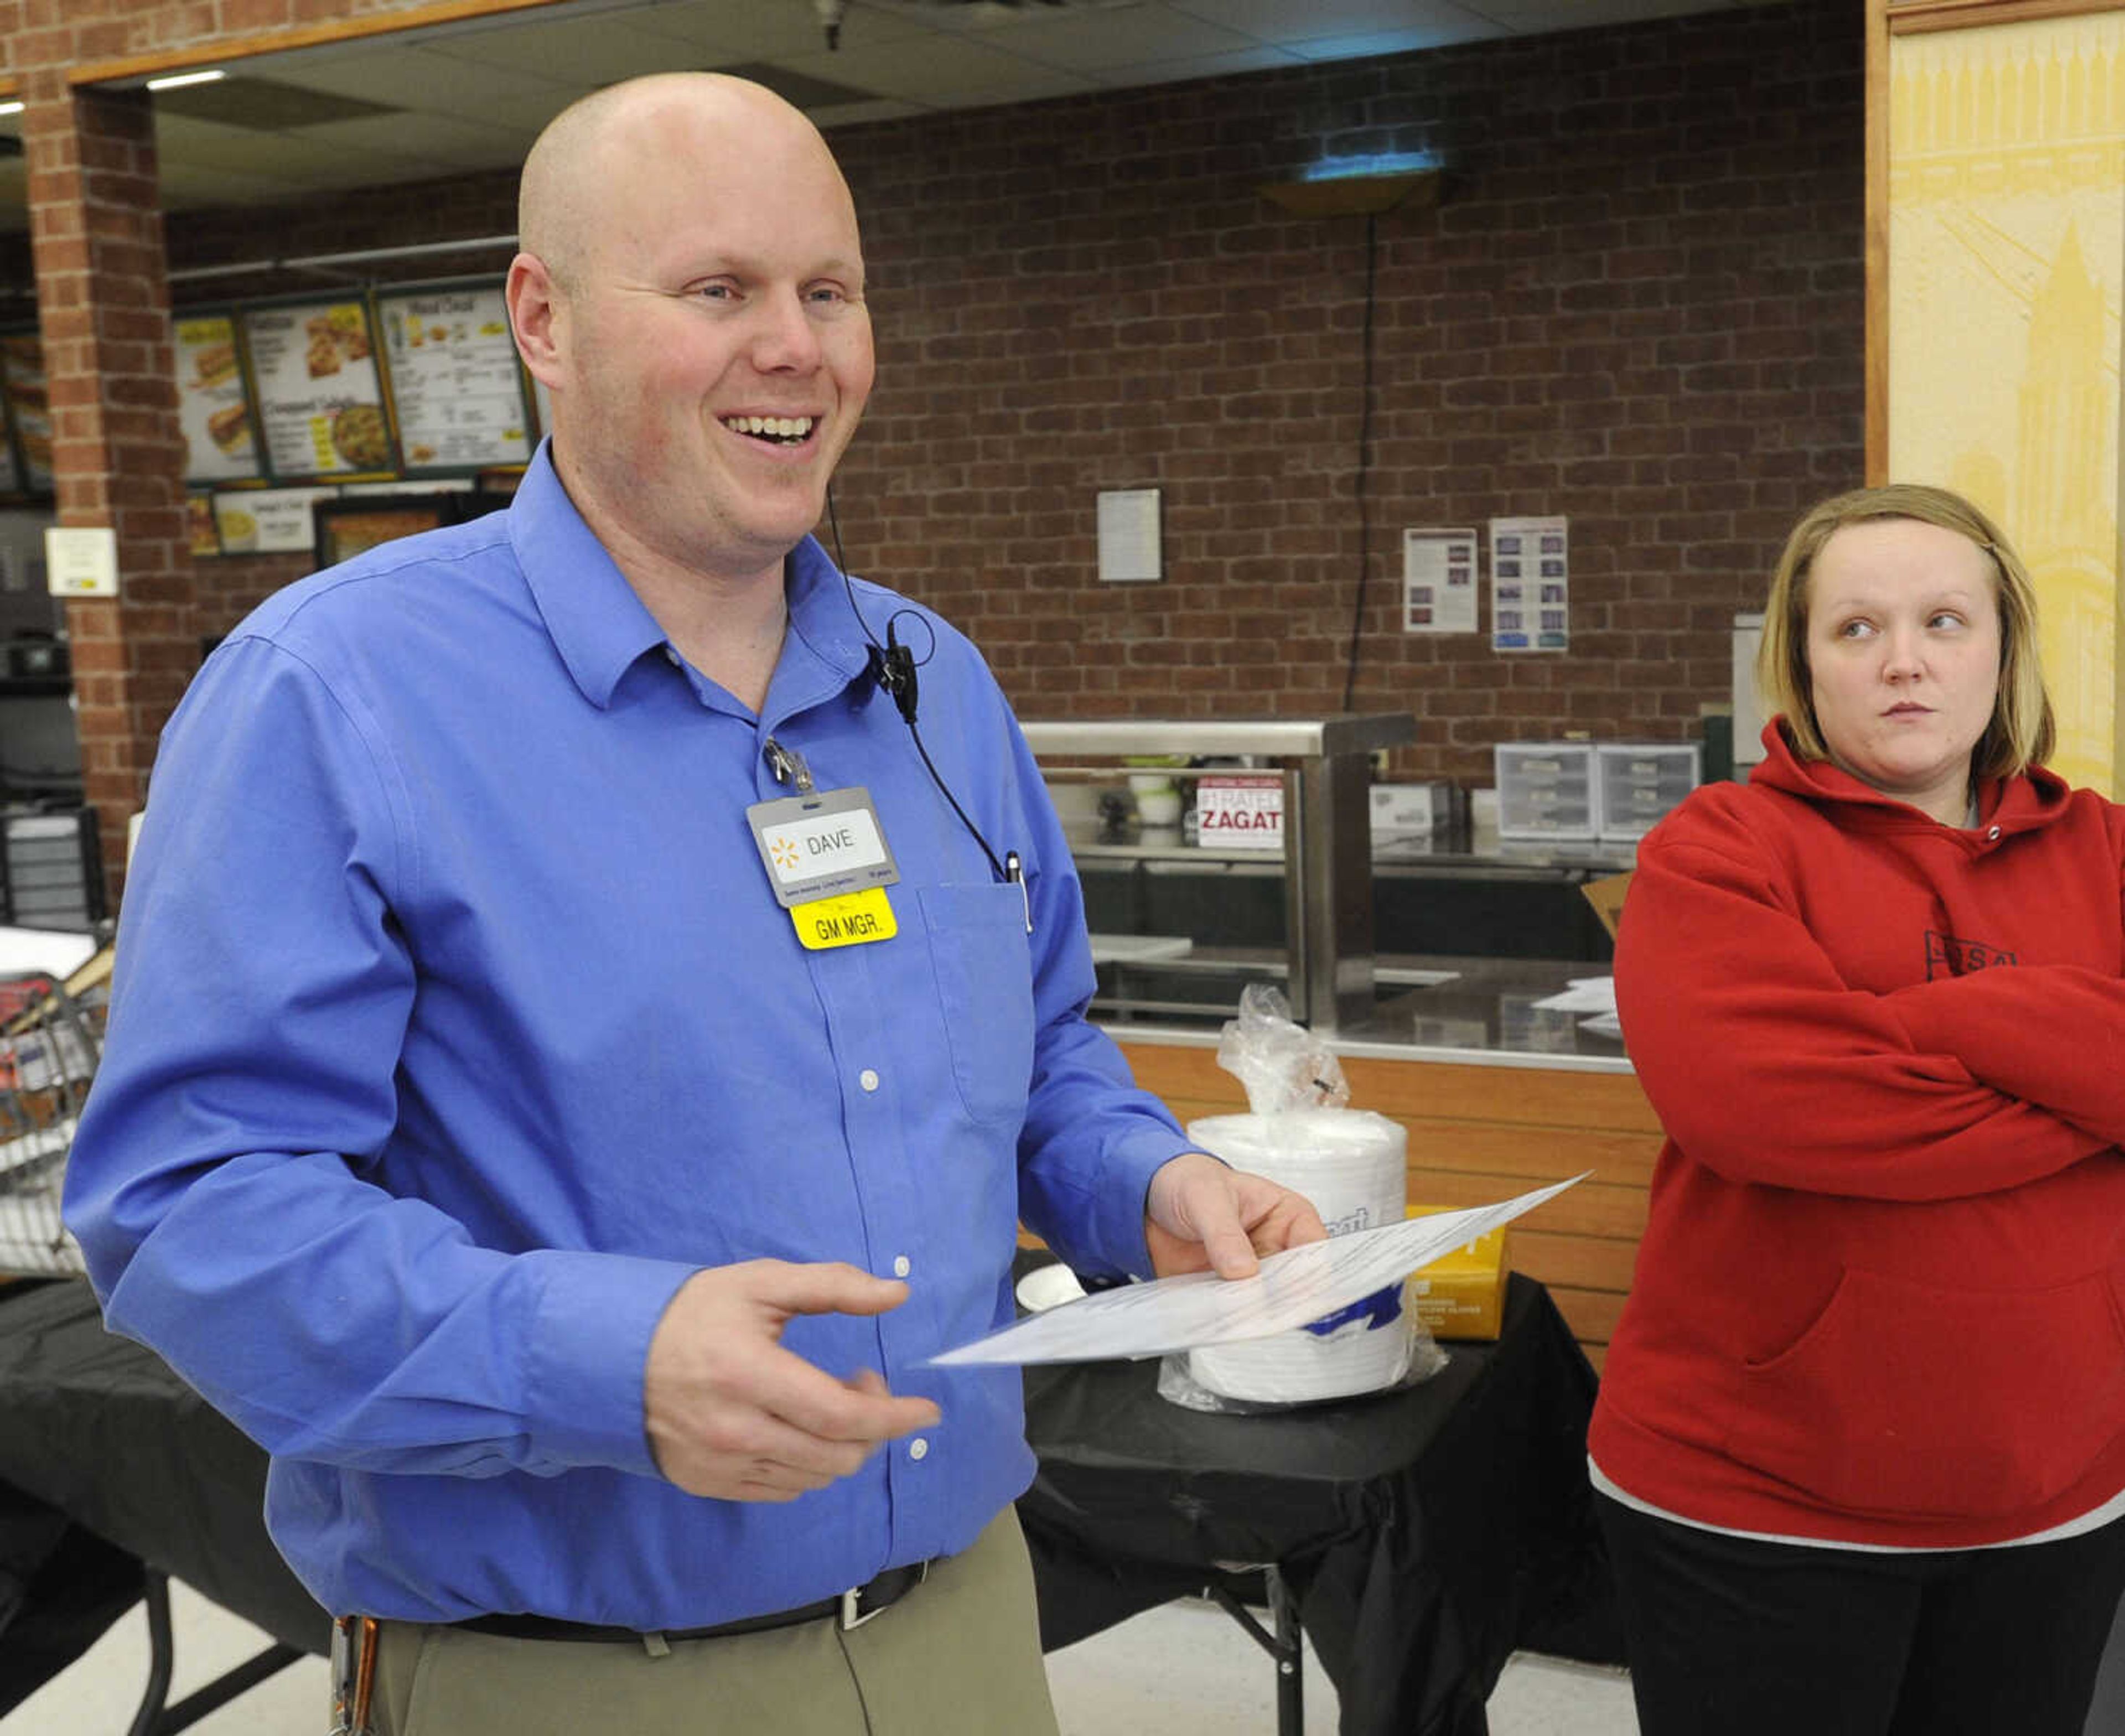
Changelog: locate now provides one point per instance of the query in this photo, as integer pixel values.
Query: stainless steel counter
(1325, 771)
(1472, 1011)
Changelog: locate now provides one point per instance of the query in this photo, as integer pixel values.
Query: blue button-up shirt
(455, 1025)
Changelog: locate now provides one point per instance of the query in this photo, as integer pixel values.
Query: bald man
(573, 1063)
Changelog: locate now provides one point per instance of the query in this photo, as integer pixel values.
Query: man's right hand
(732, 1415)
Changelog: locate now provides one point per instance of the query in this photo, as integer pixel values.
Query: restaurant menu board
(23, 383)
(320, 399)
(455, 382)
(268, 521)
(220, 444)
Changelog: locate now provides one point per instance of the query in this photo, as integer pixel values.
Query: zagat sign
(1241, 812)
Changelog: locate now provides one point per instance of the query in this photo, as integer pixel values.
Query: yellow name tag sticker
(851, 920)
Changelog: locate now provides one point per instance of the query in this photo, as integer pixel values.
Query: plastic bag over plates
(1351, 1163)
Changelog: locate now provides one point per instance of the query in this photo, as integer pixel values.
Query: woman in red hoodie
(1860, 1443)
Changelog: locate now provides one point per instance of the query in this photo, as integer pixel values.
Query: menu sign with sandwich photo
(455, 385)
(22, 383)
(213, 409)
(320, 399)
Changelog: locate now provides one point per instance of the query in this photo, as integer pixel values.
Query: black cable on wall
(1364, 463)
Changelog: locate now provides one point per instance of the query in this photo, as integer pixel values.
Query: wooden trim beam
(196, 55)
(1876, 246)
(1912, 17)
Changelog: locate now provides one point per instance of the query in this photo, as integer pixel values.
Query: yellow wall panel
(2006, 239)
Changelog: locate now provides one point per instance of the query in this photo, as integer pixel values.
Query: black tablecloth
(1427, 1532)
(101, 1430)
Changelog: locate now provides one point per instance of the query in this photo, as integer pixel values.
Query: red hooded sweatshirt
(1881, 1295)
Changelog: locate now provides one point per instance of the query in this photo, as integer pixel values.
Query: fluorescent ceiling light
(11, 108)
(1354, 168)
(175, 79)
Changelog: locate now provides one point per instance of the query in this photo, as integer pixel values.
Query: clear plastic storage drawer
(1546, 789)
(1639, 783)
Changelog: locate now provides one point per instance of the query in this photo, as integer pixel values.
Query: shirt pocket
(983, 968)
(1910, 1398)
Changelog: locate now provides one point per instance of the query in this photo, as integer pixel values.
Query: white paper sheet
(1299, 1285)
(1583, 994)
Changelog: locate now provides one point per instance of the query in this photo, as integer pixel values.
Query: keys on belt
(353, 1675)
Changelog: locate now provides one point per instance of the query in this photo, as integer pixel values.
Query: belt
(852, 1608)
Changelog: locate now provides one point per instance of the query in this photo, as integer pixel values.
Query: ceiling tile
(523, 117)
(1099, 42)
(1543, 16)
(202, 144)
(405, 76)
(769, 30)
(942, 72)
(1260, 59)
(479, 90)
(190, 187)
(432, 143)
(855, 114)
(600, 50)
(1390, 42)
(1278, 21)
(263, 104)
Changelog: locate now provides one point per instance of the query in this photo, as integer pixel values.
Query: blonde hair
(2021, 731)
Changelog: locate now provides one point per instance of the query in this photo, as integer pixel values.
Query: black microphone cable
(893, 666)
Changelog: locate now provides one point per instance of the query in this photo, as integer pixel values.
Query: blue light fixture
(1359, 186)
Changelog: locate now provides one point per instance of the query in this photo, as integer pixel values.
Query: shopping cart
(51, 1034)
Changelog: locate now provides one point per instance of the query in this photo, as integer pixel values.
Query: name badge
(851, 920)
(821, 845)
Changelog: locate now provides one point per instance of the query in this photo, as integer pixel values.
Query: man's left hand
(1201, 1215)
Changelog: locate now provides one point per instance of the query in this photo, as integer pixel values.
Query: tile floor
(1183, 1670)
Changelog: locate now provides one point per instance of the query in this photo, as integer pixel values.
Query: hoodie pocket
(1907, 1398)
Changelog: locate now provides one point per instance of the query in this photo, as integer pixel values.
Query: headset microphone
(892, 666)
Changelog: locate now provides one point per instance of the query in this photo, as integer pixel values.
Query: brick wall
(1638, 304)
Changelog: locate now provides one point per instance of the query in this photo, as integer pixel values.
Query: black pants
(1731, 1636)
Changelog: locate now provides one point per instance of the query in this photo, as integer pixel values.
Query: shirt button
(671, 657)
(867, 1079)
(918, 1448)
(901, 1266)
(1992, 832)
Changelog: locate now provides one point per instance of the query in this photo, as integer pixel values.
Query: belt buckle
(854, 1615)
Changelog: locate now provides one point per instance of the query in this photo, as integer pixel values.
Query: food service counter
(1498, 1096)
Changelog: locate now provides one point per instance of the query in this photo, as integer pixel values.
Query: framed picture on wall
(321, 402)
(214, 400)
(457, 389)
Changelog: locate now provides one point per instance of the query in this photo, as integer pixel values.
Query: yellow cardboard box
(1462, 1295)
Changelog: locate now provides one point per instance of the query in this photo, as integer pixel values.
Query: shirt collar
(599, 626)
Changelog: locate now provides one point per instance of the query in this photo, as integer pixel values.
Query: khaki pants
(960, 1655)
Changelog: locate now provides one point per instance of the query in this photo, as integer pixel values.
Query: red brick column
(95, 232)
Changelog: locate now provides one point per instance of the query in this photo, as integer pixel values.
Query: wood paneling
(1481, 1133)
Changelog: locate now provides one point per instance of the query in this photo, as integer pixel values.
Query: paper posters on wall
(1128, 537)
(213, 410)
(1438, 580)
(455, 382)
(1530, 585)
